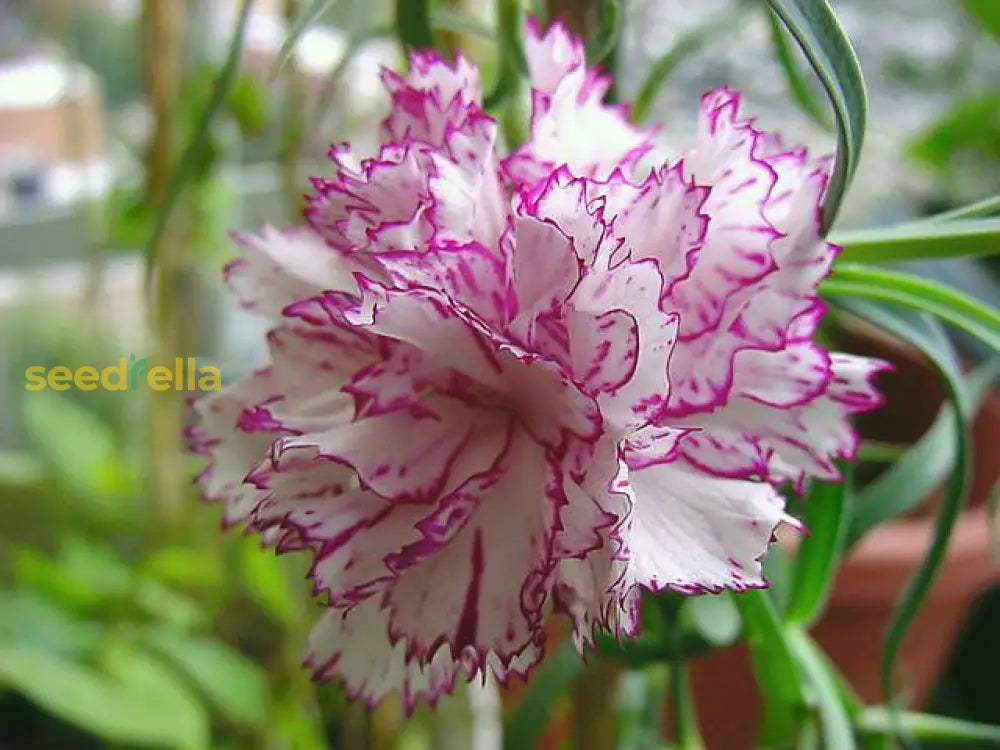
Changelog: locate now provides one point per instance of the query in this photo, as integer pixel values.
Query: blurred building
(51, 132)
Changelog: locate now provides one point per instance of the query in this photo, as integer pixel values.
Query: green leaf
(81, 450)
(773, 665)
(146, 678)
(193, 157)
(299, 27)
(168, 606)
(510, 56)
(668, 62)
(919, 240)
(969, 127)
(186, 567)
(28, 618)
(923, 467)
(533, 711)
(135, 703)
(413, 24)
(814, 26)
(608, 35)
(267, 582)
(929, 728)
(986, 13)
(232, 683)
(83, 575)
(797, 83)
(835, 722)
(449, 19)
(951, 305)
(827, 513)
(986, 207)
(921, 333)
(325, 97)
(248, 104)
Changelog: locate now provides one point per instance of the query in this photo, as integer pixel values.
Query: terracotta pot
(851, 631)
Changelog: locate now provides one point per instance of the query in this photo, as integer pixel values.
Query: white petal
(693, 532)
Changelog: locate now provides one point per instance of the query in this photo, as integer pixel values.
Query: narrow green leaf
(29, 618)
(510, 56)
(325, 97)
(907, 290)
(267, 582)
(919, 240)
(923, 467)
(301, 24)
(986, 13)
(80, 449)
(138, 704)
(986, 207)
(835, 723)
(233, 684)
(668, 62)
(550, 682)
(608, 34)
(773, 666)
(918, 331)
(797, 83)
(827, 514)
(413, 24)
(814, 26)
(960, 132)
(195, 150)
(929, 728)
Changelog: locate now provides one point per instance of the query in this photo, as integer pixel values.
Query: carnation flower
(502, 385)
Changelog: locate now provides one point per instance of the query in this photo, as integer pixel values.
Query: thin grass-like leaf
(773, 665)
(898, 489)
(834, 720)
(413, 24)
(814, 26)
(199, 141)
(918, 331)
(930, 728)
(986, 207)
(895, 287)
(921, 240)
(827, 515)
(668, 62)
(797, 83)
(306, 19)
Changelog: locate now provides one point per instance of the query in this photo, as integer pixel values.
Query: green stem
(293, 123)
(686, 733)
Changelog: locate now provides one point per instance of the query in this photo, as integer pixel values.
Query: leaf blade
(917, 331)
(921, 240)
(815, 28)
(827, 515)
(907, 290)
(773, 665)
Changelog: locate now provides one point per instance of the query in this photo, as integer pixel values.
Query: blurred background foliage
(126, 618)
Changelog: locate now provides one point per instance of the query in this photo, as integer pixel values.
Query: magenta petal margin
(507, 383)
